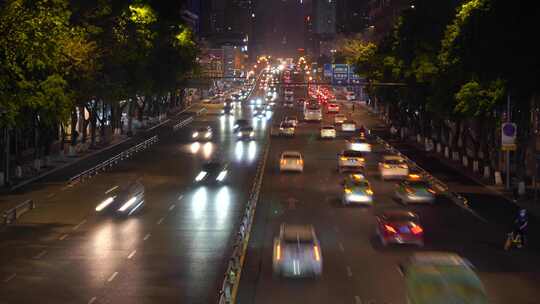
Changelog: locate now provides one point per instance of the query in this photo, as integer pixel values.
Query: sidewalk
(486, 200)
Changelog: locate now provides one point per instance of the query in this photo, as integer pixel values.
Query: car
(291, 161)
(356, 143)
(212, 172)
(357, 190)
(291, 119)
(227, 110)
(245, 132)
(350, 96)
(393, 166)
(348, 126)
(441, 277)
(297, 252)
(399, 227)
(414, 191)
(123, 201)
(239, 123)
(288, 104)
(339, 119)
(286, 129)
(328, 132)
(350, 160)
(204, 133)
(259, 112)
(332, 108)
(255, 101)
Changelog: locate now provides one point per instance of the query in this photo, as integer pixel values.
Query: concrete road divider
(182, 124)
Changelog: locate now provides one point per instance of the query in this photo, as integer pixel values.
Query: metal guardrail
(182, 124)
(81, 177)
(231, 279)
(11, 215)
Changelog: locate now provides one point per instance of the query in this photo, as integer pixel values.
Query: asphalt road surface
(174, 251)
(356, 268)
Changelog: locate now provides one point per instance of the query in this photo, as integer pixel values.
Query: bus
(313, 112)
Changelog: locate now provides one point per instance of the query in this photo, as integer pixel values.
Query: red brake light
(416, 229)
(390, 229)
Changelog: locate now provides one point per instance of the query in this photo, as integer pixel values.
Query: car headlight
(208, 134)
(239, 134)
(251, 134)
(128, 204)
(105, 203)
(195, 134)
(348, 191)
(221, 175)
(200, 176)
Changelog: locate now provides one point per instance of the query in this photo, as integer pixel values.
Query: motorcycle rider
(521, 223)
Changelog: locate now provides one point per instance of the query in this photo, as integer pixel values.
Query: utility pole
(508, 119)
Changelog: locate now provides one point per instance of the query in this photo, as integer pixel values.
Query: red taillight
(415, 229)
(390, 229)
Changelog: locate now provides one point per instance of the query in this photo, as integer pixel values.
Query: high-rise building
(351, 16)
(324, 17)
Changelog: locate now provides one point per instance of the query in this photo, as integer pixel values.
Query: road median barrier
(182, 124)
(231, 279)
(11, 215)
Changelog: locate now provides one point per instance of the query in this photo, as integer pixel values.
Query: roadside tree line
(461, 61)
(70, 68)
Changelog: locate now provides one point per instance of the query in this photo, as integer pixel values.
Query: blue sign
(340, 73)
(327, 70)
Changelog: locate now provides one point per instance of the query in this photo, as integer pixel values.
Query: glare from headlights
(195, 134)
(128, 204)
(200, 176)
(195, 147)
(208, 134)
(105, 203)
(221, 176)
(136, 207)
(207, 150)
(251, 134)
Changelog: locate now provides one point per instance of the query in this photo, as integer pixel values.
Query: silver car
(297, 252)
(123, 201)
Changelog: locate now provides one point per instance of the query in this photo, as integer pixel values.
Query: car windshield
(246, 129)
(298, 236)
(292, 156)
(213, 166)
(287, 125)
(328, 128)
(359, 183)
(350, 153)
(203, 129)
(394, 161)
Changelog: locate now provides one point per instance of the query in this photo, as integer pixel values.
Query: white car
(339, 119)
(358, 144)
(328, 132)
(297, 252)
(292, 120)
(350, 160)
(291, 161)
(348, 126)
(393, 166)
(350, 96)
(286, 129)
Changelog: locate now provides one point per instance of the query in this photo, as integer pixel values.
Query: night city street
(261, 151)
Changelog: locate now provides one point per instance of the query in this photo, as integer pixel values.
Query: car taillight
(403, 166)
(415, 229)
(431, 191)
(283, 162)
(343, 158)
(278, 252)
(409, 190)
(369, 192)
(361, 159)
(300, 162)
(386, 166)
(390, 229)
(316, 253)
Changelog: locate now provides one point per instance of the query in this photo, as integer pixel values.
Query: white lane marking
(146, 237)
(180, 197)
(172, 207)
(50, 195)
(111, 189)
(63, 237)
(40, 255)
(79, 224)
(131, 254)
(160, 221)
(92, 300)
(9, 278)
(341, 247)
(112, 276)
(349, 271)
(357, 300)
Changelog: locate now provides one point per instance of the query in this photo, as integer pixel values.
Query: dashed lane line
(146, 237)
(171, 208)
(131, 254)
(79, 224)
(180, 197)
(349, 271)
(160, 221)
(111, 189)
(40, 255)
(92, 300)
(63, 237)
(341, 248)
(111, 278)
(10, 277)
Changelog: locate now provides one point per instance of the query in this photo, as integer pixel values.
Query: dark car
(227, 110)
(245, 133)
(212, 172)
(399, 227)
(240, 123)
(203, 133)
(123, 201)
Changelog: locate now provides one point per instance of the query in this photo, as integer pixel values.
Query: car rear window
(394, 161)
(400, 217)
(292, 156)
(287, 125)
(350, 153)
(245, 129)
(328, 128)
